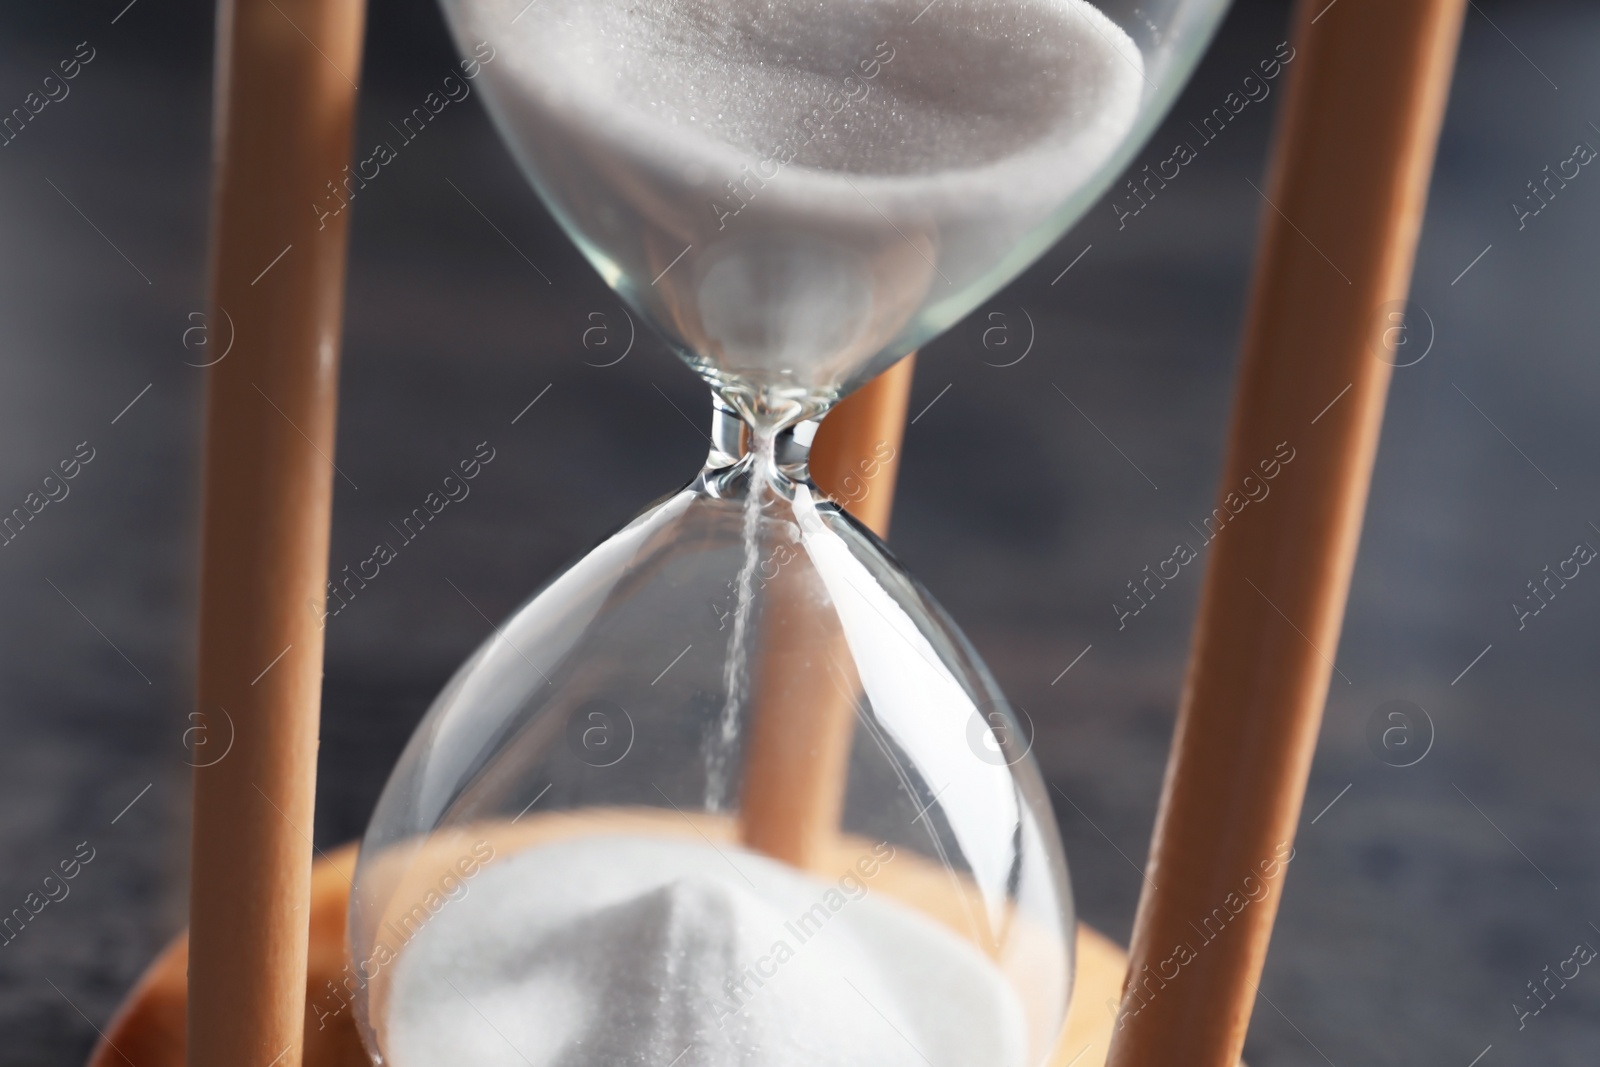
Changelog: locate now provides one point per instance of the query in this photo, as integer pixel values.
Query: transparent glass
(797, 193)
(738, 679)
(733, 789)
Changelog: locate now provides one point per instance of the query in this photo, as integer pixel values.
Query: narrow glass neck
(770, 407)
(784, 451)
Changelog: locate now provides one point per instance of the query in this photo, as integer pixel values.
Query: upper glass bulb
(797, 193)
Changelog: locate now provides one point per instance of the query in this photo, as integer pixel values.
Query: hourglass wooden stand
(1348, 185)
(1349, 175)
(284, 124)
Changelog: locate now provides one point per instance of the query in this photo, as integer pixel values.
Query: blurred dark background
(1420, 903)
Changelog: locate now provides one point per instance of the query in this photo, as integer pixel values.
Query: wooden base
(149, 1028)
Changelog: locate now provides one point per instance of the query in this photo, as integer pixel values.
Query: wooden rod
(285, 101)
(1342, 210)
(856, 455)
(799, 752)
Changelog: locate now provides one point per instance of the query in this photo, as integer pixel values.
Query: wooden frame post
(285, 102)
(1342, 210)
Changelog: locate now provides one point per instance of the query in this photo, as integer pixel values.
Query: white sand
(798, 191)
(628, 952)
(1025, 96)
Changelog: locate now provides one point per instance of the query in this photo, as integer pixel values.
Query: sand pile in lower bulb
(635, 952)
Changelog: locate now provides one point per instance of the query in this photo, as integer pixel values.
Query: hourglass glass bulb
(733, 789)
(734, 782)
(799, 193)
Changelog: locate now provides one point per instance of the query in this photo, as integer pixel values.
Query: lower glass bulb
(730, 790)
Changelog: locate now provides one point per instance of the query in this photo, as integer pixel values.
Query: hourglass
(733, 788)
